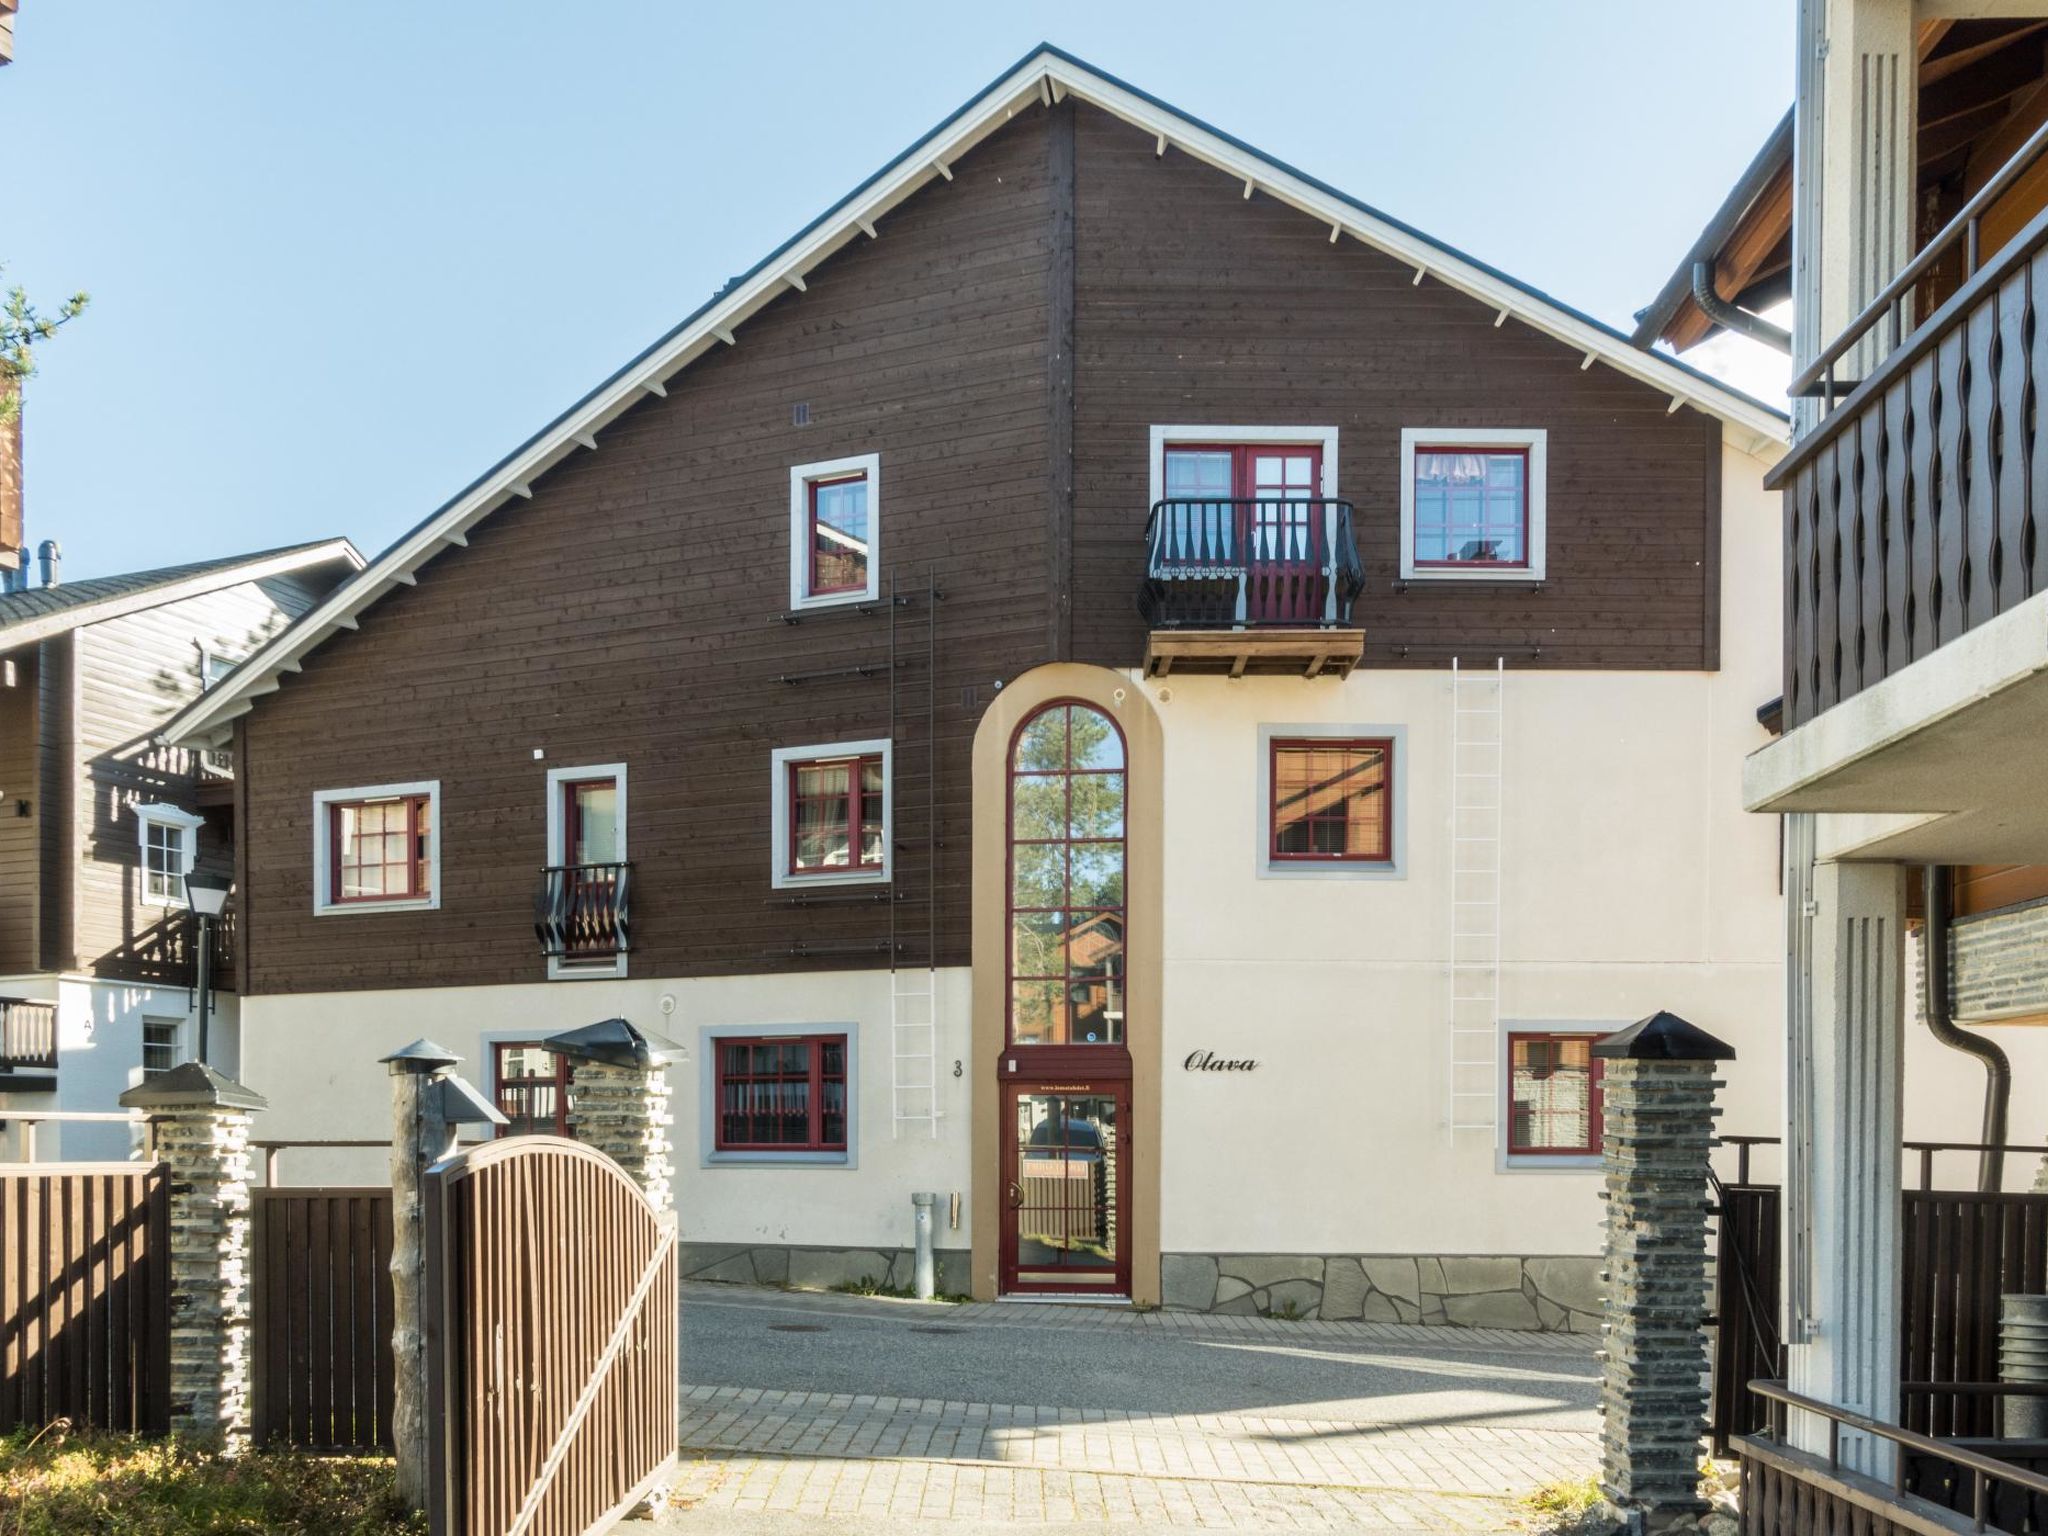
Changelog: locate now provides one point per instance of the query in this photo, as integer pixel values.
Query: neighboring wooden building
(99, 822)
(1083, 455)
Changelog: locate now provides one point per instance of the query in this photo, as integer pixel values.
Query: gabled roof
(40, 612)
(1044, 76)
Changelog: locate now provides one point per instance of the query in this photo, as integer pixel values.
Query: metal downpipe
(1935, 887)
(1735, 318)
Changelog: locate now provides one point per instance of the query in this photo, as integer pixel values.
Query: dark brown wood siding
(20, 866)
(1025, 322)
(1197, 306)
(632, 611)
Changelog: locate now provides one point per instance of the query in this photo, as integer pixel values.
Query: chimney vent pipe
(49, 552)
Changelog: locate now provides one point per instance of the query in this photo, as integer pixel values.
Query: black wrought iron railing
(28, 1035)
(581, 911)
(1228, 563)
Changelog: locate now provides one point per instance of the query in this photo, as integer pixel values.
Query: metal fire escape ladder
(1477, 761)
(914, 990)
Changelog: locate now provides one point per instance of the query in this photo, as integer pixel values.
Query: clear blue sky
(343, 257)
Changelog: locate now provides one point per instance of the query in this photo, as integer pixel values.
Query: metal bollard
(922, 1279)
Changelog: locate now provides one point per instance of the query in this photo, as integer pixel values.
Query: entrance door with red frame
(1066, 1218)
(1274, 525)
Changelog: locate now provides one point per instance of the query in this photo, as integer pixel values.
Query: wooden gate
(322, 1284)
(1746, 1345)
(85, 1296)
(551, 1340)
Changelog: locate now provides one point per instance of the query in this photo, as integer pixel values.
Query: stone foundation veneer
(1558, 1294)
(818, 1269)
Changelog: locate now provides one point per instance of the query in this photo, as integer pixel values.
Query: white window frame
(1165, 437)
(323, 854)
(1535, 439)
(1540, 1162)
(186, 824)
(208, 655)
(801, 477)
(179, 1054)
(558, 853)
(783, 878)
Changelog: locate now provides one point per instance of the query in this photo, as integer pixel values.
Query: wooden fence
(1746, 1345)
(1962, 1251)
(551, 1301)
(85, 1296)
(323, 1318)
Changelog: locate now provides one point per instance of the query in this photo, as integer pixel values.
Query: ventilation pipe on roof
(49, 552)
(1735, 318)
(1942, 1025)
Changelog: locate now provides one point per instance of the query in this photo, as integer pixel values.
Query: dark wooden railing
(1913, 512)
(28, 1035)
(1223, 563)
(1746, 1342)
(581, 912)
(1787, 1492)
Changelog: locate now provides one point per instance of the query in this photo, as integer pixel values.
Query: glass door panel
(1064, 1227)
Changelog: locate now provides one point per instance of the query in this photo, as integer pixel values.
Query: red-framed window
(1067, 860)
(1471, 506)
(1554, 1106)
(838, 530)
(1333, 801)
(591, 833)
(782, 1093)
(531, 1086)
(380, 850)
(836, 820)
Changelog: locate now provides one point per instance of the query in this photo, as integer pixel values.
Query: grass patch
(67, 1482)
(1566, 1509)
(868, 1285)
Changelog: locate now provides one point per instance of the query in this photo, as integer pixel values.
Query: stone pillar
(202, 1125)
(619, 1100)
(1658, 1094)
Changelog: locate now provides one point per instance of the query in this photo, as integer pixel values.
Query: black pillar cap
(192, 1085)
(1663, 1037)
(614, 1042)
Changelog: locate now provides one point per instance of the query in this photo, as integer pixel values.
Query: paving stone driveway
(842, 1413)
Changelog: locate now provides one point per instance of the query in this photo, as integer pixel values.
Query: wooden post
(420, 1137)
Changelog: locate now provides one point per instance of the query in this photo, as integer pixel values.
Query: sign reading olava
(1209, 1061)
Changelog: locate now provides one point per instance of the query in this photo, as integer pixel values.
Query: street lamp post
(207, 894)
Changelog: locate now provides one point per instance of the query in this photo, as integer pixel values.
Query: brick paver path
(1459, 1459)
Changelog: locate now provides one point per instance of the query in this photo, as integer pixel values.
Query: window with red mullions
(835, 816)
(378, 849)
(839, 534)
(1554, 1096)
(1471, 506)
(1333, 801)
(782, 1094)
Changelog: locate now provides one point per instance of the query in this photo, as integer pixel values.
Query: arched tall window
(1067, 850)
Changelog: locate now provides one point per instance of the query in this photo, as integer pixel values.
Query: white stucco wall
(99, 1056)
(315, 1057)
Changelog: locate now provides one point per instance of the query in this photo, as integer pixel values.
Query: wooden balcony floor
(1254, 652)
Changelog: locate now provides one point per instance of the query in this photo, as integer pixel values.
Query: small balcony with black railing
(1251, 586)
(581, 915)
